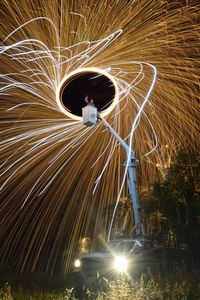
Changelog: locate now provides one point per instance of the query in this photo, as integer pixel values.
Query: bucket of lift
(89, 114)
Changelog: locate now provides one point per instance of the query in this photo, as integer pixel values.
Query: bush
(5, 292)
(145, 288)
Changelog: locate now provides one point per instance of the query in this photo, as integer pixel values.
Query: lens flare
(120, 264)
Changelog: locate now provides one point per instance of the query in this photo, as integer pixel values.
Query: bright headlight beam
(120, 264)
(77, 263)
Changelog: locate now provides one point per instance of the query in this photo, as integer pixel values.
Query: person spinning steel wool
(89, 100)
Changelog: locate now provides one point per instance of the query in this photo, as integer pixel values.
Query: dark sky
(90, 84)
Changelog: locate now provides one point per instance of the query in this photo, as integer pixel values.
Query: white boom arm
(131, 164)
(90, 116)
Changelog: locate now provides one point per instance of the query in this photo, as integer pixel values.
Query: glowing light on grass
(57, 177)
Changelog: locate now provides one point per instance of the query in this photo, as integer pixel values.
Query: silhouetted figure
(89, 100)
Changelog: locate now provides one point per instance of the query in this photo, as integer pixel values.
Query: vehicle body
(136, 256)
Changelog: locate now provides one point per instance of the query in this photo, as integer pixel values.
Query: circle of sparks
(74, 74)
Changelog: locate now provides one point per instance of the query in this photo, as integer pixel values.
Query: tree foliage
(171, 209)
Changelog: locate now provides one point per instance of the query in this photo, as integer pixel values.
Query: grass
(186, 287)
(6, 293)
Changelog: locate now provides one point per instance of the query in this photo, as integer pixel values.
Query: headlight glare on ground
(120, 264)
(77, 263)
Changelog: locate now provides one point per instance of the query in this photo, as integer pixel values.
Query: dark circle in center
(93, 85)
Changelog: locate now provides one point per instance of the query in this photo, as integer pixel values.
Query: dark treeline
(171, 208)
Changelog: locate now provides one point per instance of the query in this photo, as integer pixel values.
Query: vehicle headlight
(77, 263)
(120, 264)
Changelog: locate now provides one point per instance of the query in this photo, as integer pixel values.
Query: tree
(173, 205)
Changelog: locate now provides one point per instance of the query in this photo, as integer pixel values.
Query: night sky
(93, 85)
